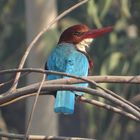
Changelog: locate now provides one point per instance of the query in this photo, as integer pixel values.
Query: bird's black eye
(77, 33)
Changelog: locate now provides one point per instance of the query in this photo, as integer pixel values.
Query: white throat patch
(84, 44)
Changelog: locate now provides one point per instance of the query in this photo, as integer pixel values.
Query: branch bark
(108, 107)
(99, 79)
(85, 79)
(34, 106)
(38, 137)
(48, 88)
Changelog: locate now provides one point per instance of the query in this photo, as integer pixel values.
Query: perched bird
(70, 56)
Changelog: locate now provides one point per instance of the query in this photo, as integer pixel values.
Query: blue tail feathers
(64, 102)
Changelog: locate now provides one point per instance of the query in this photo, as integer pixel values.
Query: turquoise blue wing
(65, 58)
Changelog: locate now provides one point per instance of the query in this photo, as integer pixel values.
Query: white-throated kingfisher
(70, 56)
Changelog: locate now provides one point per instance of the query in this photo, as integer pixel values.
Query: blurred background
(118, 53)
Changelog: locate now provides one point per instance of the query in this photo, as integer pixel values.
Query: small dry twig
(99, 79)
(34, 105)
(108, 107)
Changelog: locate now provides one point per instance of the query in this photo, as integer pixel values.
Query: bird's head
(81, 36)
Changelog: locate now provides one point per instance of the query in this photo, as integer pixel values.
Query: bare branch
(99, 79)
(38, 137)
(34, 105)
(108, 107)
(94, 102)
(89, 81)
(67, 81)
(38, 37)
(26, 91)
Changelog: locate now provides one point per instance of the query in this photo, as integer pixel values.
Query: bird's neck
(90, 61)
(83, 45)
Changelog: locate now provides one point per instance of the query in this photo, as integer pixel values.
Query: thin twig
(11, 80)
(34, 105)
(22, 62)
(38, 137)
(108, 107)
(99, 79)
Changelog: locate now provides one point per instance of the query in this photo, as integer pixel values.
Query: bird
(71, 56)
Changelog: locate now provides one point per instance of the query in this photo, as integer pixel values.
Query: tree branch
(85, 100)
(38, 137)
(47, 88)
(108, 107)
(34, 105)
(10, 99)
(90, 82)
(98, 79)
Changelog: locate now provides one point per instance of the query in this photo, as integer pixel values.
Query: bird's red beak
(97, 32)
